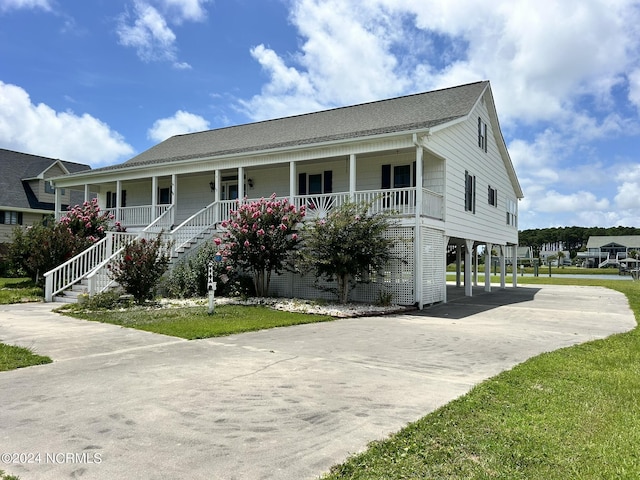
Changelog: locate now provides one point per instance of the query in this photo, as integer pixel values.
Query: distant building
(26, 195)
(609, 250)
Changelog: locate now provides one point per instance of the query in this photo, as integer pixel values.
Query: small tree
(47, 244)
(347, 244)
(140, 267)
(259, 238)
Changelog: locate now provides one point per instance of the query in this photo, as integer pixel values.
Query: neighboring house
(437, 160)
(608, 250)
(26, 194)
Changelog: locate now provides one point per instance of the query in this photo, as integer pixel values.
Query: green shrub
(189, 278)
(139, 268)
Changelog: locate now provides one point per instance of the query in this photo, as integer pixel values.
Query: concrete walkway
(285, 403)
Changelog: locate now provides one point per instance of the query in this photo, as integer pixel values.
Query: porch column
(352, 177)
(154, 198)
(292, 182)
(241, 184)
(458, 263)
(419, 264)
(118, 200)
(57, 203)
(487, 268)
(418, 179)
(217, 185)
(87, 193)
(174, 198)
(444, 294)
(514, 265)
(468, 260)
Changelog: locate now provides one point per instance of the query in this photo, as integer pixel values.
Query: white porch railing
(195, 225)
(163, 221)
(74, 269)
(137, 215)
(398, 200)
(432, 204)
(318, 206)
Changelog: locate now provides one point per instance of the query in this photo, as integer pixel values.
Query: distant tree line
(574, 238)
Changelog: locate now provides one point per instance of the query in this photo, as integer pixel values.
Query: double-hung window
(493, 196)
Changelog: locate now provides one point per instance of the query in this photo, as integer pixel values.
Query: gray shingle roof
(629, 241)
(16, 167)
(406, 113)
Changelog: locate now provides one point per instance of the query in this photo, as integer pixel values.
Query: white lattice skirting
(397, 278)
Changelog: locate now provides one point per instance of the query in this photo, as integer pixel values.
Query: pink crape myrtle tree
(260, 238)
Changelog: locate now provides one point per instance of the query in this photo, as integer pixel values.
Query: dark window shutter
(386, 176)
(19, 218)
(328, 181)
(480, 132)
(302, 184)
(2, 218)
(123, 198)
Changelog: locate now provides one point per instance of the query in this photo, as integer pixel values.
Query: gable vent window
(512, 213)
(493, 196)
(469, 192)
(482, 134)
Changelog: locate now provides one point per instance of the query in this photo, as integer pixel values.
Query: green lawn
(195, 322)
(18, 290)
(12, 357)
(572, 413)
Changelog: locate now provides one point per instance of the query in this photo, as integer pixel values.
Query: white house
(437, 160)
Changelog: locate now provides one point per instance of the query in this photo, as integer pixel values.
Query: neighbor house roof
(401, 114)
(17, 168)
(628, 241)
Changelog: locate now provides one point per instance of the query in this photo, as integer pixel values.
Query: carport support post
(487, 267)
(458, 263)
(502, 265)
(444, 294)
(468, 259)
(514, 263)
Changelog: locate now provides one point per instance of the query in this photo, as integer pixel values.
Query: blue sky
(100, 81)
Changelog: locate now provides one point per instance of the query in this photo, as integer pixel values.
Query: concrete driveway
(277, 404)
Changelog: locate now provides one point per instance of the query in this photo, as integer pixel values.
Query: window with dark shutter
(328, 181)
(302, 184)
(469, 192)
(386, 176)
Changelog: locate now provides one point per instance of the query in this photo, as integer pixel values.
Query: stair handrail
(201, 220)
(73, 270)
(160, 221)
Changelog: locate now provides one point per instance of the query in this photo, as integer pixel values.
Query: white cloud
(147, 30)
(540, 60)
(38, 129)
(554, 202)
(628, 190)
(634, 88)
(6, 5)
(192, 10)
(181, 122)
(149, 34)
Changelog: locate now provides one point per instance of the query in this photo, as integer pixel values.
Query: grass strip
(19, 290)
(194, 322)
(12, 357)
(571, 413)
